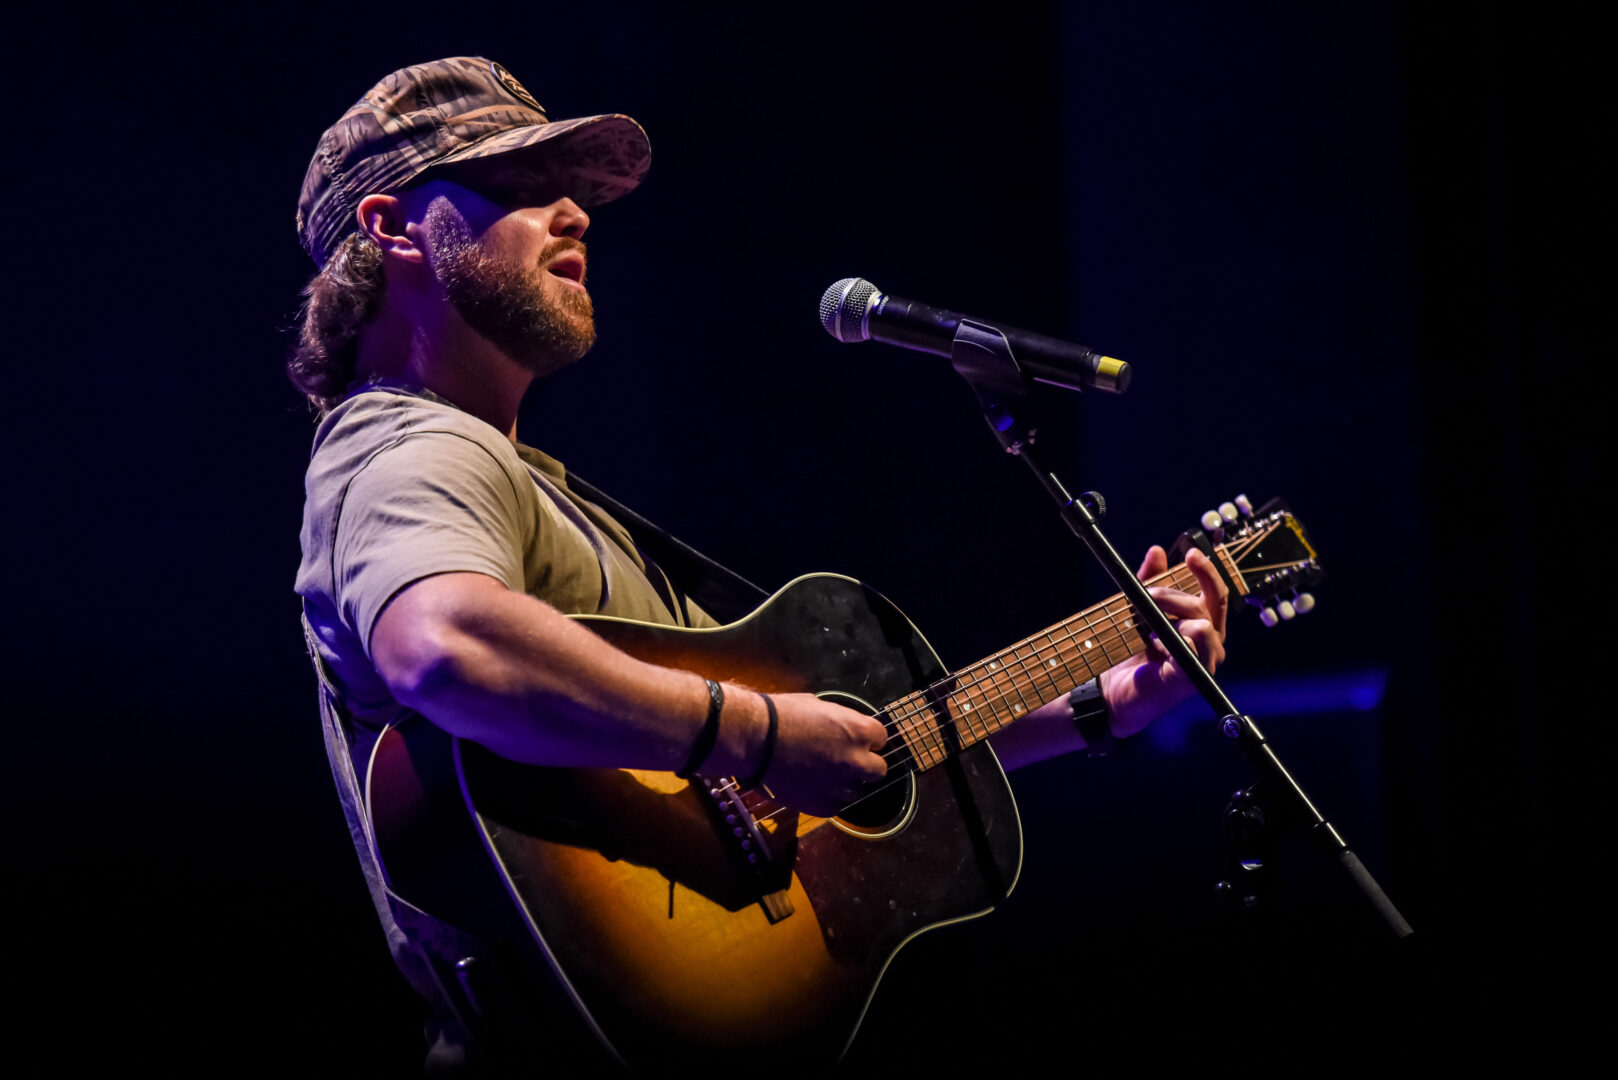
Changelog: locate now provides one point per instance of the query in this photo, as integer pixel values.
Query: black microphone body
(855, 310)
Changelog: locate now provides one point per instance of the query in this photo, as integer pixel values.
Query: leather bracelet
(709, 735)
(769, 744)
(1090, 717)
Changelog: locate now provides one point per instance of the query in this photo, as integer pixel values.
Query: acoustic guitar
(702, 924)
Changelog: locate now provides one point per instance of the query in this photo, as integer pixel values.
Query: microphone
(855, 310)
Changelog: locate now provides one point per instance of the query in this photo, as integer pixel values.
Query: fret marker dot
(1053, 663)
(967, 707)
(1016, 710)
(1089, 643)
(993, 665)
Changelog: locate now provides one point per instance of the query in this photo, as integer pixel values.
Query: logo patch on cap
(513, 87)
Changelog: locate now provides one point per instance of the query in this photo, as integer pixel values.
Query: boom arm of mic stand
(984, 358)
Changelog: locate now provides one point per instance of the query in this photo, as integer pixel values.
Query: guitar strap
(427, 951)
(721, 591)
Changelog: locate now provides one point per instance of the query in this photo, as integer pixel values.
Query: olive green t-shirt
(402, 485)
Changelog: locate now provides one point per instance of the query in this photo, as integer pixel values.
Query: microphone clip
(983, 357)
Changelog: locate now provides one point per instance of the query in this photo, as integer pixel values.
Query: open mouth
(569, 266)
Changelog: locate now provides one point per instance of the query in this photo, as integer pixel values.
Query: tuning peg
(1305, 602)
(1286, 609)
(1227, 510)
(1267, 616)
(1244, 505)
(1212, 520)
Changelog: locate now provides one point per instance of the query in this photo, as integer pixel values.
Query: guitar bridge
(750, 844)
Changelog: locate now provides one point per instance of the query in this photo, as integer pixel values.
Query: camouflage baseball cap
(469, 113)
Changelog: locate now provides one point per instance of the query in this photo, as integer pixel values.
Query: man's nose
(569, 219)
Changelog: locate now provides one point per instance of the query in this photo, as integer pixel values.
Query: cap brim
(593, 159)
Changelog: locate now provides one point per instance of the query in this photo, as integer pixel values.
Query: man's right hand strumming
(824, 753)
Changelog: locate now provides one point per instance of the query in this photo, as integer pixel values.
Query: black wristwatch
(1091, 718)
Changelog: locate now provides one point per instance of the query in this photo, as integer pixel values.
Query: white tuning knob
(1286, 609)
(1227, 511)
(1305, 602)
(1212, 520)
(1267, 616)
(1244, 505)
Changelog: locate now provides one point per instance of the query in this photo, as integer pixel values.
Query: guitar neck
(981, 699)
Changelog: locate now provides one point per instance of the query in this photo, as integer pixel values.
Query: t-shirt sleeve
(433, 502)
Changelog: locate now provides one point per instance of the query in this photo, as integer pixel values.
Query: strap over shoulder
(721, 591)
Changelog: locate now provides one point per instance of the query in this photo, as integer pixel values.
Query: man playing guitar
(442, 559)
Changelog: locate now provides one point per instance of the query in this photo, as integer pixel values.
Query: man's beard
(541, 326)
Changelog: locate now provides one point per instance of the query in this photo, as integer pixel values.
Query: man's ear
(384, 219)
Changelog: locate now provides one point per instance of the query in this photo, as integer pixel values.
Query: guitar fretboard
(979, 700)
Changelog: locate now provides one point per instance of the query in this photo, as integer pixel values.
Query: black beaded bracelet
(1090, 717)
(709, 735)
(769, 744)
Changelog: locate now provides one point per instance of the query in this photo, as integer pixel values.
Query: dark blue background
(1347, 247)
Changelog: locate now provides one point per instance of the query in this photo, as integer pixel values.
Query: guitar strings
(924, 702)
(917, 704)
(985, 678)
(921, 703)
(1063, 644)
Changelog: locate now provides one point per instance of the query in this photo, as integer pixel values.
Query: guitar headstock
(1265, 554)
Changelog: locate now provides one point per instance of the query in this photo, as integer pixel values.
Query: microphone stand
(983, 356)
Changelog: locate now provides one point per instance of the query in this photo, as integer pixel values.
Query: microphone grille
(843, 308)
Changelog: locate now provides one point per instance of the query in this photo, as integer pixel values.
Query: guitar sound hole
(882, 812)
(891, 801)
